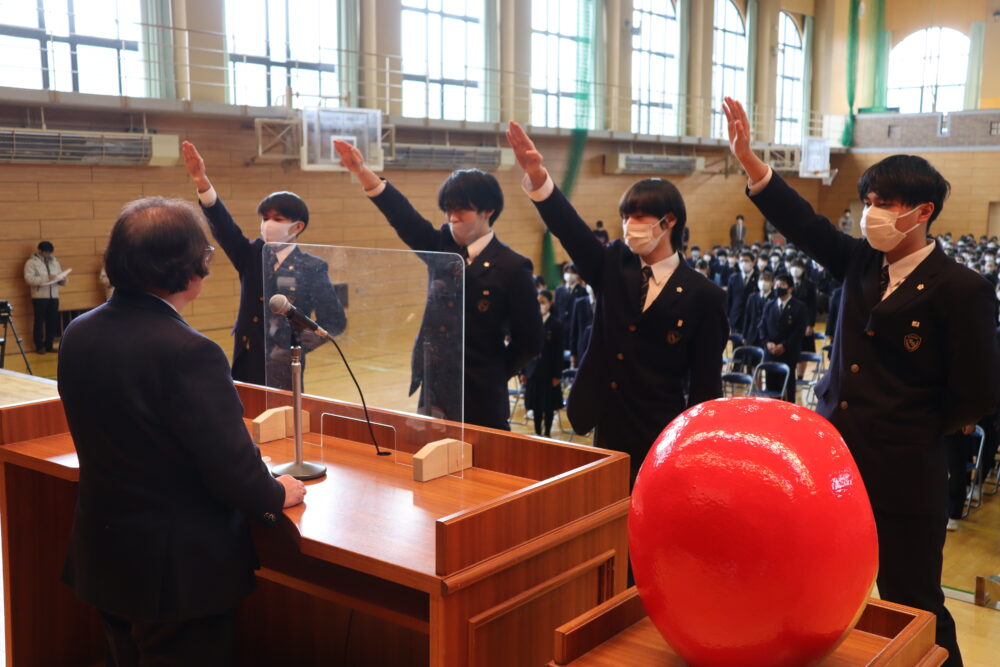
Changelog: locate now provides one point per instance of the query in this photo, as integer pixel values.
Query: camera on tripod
(5, 308)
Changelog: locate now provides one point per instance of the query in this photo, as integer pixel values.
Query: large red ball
(751, 535)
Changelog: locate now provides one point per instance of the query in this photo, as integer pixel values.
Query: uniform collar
(477, 246)
(901, 269)
(663, 269)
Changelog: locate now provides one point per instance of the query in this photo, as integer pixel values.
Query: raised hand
(527, 155)
(195, 166)
(350, 157)
(738, 125)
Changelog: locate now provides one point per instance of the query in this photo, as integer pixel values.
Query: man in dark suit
(914, 356)
(738, 234)
(782, 326)
(742, 283)
(658, 324)
(168, 475)
(269, 269)
(804, 290)
(500, 297)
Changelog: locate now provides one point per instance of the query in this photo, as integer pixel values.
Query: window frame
(550, 96)
(795, 83)
(926, 88)
(640, 108)
(717, 124)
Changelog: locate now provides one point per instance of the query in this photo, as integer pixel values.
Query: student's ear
(487, 215)
(926, 211)
(300, 229)
(669, 220)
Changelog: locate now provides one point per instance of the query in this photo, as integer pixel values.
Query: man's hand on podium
(295, 491)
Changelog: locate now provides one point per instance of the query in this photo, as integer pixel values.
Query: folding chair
(516, 395)
(810, 358)
(745, 357)
(759, 385)
(735, 341)
(974, 469)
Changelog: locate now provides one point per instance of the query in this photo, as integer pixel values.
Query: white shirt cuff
(758, 187)
(208, 198)
(377, 190)
(542, 193)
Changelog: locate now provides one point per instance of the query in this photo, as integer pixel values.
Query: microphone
(280, 305)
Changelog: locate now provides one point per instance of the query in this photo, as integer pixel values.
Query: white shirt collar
(163, 300)
(478, 246)
(663, 269)
(900, 269)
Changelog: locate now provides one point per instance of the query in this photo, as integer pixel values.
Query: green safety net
(852, 72)
(880, 82)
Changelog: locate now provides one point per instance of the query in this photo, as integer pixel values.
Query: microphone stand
(298, 469)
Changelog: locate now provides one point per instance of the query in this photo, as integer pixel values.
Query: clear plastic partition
(398, 318)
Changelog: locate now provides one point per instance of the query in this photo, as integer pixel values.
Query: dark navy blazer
(500, 303)
(302, 277)
(168, 474)
(633, 376)
(906, 370)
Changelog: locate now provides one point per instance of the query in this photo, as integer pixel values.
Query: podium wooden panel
(618, 632)
(374, 568)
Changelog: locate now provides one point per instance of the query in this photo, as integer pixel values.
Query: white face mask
(570, 278)
(746, 267)
(276, 232)
(762, 264)
(879, 227)
(641, 239)
(796, 272)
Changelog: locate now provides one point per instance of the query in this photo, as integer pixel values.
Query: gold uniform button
(620, 356)
(262, 299)
(870, 332)
(855, 368)
(255, 319)
(269, 516)
(451, 304)
(614, 385)
(632, 327)
(843, 405)
(244, 338)
(442, 328)
(486, 264)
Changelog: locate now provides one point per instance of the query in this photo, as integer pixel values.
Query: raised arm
(792, 215)
(225, 230)
(557, 213)
(411, 227)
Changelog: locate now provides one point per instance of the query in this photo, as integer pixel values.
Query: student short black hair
(569, 266)
(722, 252)
(540, 282)
(767, 274)
(600, 224)
(471, 190)
(701, 264)
(287, 204)
(545, 293)
(740, 217)
(908, 179)
(799, 263)
(656, 197)
(157, 243)
(785, 278)
(747, 254)
(45, 246)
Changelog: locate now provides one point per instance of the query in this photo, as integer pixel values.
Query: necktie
(647, 273)
(883, 280)
(464, 252)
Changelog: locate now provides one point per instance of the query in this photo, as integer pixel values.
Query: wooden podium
(374, 568)
(618, 632)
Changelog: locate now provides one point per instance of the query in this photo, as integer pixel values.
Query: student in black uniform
(914, 356)
(567, 294)
(581, 323)
(782, 327)
(804, 290)
(658, 324)
(544, 374)
(755, 309)
(742, 283)
(301, 277)
(500, 298)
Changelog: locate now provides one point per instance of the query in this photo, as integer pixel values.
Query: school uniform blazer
(631, 381)
(580, 326)
(784, 325)
(500, 301)
(737, 293)
(168, 473)
(302, 277)
(906, 370)
(752, 317)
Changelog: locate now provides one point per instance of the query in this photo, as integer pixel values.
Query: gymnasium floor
(384, 375)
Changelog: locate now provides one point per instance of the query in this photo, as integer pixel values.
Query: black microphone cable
(364, 405)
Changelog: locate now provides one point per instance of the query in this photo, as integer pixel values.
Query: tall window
(562, 63)
(729, 61)
(655, 67)
(927, 71)
(444, 51)
(86, 46)
(791, 66)
(282, 46)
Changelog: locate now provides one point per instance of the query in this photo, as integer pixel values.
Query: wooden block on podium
(440, 458)
(270, 425)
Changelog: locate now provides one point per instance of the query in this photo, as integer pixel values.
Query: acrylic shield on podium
(398, 319)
